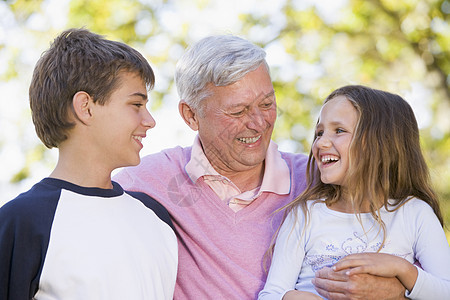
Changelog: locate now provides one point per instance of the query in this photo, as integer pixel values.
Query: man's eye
(267, 105)
(138, 104)
(237, 114)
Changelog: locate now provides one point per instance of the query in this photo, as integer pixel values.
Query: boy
(77, 234)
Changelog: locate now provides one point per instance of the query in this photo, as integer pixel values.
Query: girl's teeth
(329, 158)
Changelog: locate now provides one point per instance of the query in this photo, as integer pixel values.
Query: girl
(374, 210)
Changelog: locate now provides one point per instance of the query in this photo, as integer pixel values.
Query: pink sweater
(220, 252)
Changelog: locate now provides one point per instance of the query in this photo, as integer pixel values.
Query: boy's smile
(122, 122)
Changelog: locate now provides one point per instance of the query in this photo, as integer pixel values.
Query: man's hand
(379, 264)
(339, 286)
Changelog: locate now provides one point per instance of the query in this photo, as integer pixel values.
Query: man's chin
(252, 161)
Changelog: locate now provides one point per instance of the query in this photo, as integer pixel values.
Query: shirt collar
(199, 165)
(276, 174)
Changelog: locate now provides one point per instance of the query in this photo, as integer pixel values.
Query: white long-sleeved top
(412, 232)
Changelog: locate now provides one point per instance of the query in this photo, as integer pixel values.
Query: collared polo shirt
(276, 177)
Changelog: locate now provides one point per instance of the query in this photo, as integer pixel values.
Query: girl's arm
(287, 259)
(431, 249)
(300, 295)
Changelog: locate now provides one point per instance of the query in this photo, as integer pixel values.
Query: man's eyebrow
(271, 93)
(265, 96)
(261, 98)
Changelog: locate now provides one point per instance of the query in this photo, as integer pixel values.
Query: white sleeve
(433, 253)
(287, 258)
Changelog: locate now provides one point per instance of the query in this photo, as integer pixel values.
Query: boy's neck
(85, 179)
(82, 172)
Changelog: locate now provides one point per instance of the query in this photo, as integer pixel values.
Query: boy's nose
(148, 120)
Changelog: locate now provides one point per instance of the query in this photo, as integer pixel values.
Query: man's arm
(339, 286)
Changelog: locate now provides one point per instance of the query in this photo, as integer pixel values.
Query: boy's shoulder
(40, 196)
(30, 214)
(154, 205)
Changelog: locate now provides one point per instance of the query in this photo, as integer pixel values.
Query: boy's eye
(319, 133)
(138, 104)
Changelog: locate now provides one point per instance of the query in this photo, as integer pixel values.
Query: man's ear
(82, 103)
(189, 116)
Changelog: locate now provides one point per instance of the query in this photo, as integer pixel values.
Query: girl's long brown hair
(386, 161)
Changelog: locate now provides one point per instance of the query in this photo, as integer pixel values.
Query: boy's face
(121, 124)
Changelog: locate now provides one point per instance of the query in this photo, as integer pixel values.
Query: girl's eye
(340, 130)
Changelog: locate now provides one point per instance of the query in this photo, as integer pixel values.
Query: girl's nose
(323, 141)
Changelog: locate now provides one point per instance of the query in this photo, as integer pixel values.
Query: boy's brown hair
(78, 60)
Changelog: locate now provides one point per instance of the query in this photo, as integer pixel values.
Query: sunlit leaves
(397, 45)
(116, 18)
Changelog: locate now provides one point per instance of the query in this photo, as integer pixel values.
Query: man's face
(236, 123)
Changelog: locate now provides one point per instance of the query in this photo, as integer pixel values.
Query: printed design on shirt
(182, 192)
(318, 262)
(334, 252)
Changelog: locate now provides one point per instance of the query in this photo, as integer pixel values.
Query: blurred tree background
(313, 47)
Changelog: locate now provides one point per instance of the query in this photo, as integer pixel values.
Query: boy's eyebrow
(143, 96)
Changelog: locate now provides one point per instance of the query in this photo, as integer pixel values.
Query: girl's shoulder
(310, 206)
(412, 202)
(413, 205)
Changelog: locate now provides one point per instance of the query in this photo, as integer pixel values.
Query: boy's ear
(188, 114)
(82, 103)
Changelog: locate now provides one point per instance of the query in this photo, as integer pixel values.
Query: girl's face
(337, 122)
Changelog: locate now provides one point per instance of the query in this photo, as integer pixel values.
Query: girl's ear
(188, 114)
(82, 103)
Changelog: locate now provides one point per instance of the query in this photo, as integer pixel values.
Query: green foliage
(23, 9)
(384, 44)
(115, 18)
(37, 153)
(21, 175)
(387, 44)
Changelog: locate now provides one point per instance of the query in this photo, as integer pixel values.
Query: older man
(224, 191)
